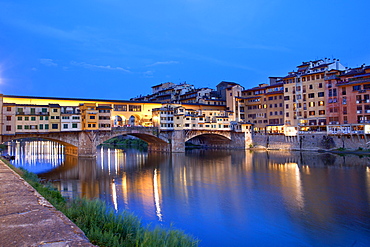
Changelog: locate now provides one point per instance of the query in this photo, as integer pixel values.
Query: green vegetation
(124, 142)
(189, 145)
(3, 147)
(103, 226)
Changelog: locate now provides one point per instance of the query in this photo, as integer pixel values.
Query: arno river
(223, 198)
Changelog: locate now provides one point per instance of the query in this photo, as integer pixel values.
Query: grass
(102, 225)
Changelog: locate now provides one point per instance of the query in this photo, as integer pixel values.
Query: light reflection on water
(230, 198)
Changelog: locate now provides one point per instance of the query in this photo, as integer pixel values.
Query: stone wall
(311, 142)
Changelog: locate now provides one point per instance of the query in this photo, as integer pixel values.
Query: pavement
(27, 219)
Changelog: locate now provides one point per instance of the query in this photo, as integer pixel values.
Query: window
(46, 126)
(320, 94)
(287, 106)
(311, 95)
(41, 126)
(54, 126)
(46, 117)
(8, 128)
(8, 109)
(134, 108)
(65, 126)
(75, 117)
(311, 113)
(33, 118)
(33, 110)
(8, 118)
(311, 104)
(26, 118)
(320, 85)
(55, 110)
(322, 112)
(120, 107)
(19, 127)
(286, 90)
(356, 88)
(92, 117)
(41, 118)
(19, 118)
(26, 127)
(74, 126)
(52, 117)
(321, 103)
(44, 110)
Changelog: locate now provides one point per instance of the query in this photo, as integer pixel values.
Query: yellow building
(54, 117)
(89, 116)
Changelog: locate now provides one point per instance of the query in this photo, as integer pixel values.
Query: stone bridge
(84, 143)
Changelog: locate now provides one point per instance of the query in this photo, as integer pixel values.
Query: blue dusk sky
(118, 49)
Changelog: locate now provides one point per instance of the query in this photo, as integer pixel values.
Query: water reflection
(232, 198)
(37, 156)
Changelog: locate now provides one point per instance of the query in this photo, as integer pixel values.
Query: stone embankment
(27, 219)
(311, 142)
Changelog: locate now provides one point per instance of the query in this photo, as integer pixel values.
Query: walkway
(27, 219)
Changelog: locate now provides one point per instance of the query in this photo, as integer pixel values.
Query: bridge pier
(86, 144)
(177, 141)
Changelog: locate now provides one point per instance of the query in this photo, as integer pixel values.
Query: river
(223, 197)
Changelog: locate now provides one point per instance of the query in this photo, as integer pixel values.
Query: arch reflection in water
(36, 156)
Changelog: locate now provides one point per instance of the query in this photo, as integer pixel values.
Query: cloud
(163, 63)
(48, 62)
(148, 74)
(103, 67)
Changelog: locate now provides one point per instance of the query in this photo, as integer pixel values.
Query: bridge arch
(208, 134)
(156, 142)
(209, 139)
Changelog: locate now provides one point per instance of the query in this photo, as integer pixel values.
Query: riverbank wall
(27, 219)
(312, 142)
